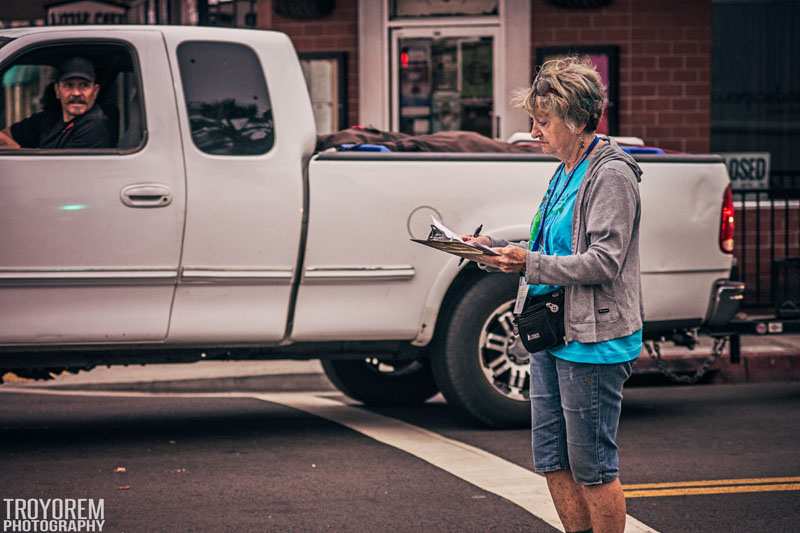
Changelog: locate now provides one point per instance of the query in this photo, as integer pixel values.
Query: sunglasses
(542, 87)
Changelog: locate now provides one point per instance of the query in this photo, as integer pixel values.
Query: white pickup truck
(212, 231)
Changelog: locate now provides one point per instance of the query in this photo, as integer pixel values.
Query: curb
(754, 367)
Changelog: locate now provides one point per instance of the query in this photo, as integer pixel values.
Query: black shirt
(47, 129)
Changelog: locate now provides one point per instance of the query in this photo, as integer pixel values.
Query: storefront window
(226, 13)
(606, 60)
(23, 91)
(325, 78)
(755, 89)
(232, 13)
(443, 8)
(446, 84)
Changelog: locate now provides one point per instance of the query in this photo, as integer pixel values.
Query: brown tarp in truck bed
(444, 141)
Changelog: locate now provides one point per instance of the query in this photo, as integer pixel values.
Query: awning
(21, 75)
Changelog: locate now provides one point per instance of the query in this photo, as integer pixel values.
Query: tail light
(726, 225)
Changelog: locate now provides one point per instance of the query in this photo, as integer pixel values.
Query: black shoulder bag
(541, 323)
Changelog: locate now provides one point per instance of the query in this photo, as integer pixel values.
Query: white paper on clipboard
(445, 239)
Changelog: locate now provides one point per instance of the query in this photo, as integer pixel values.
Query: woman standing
(584, 238)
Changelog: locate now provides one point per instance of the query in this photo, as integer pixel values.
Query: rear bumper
(722, 319)
(726, 297)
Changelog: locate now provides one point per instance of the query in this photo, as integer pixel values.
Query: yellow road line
(712, 483)
(692, 491)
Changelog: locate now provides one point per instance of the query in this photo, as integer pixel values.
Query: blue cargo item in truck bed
(639, 150)
(362, 148)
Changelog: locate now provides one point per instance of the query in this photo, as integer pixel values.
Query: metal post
(202, 12)
(743, 266)
(758, 248)
(772, 246)
(736, 349)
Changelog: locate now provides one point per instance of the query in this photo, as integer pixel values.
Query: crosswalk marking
(489, 472)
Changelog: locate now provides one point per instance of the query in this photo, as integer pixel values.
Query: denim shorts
(575, 410)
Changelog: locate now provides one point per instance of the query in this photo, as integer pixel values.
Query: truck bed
(389, 197)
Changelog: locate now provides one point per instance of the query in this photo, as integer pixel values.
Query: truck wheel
(379, 383)
(478, 363)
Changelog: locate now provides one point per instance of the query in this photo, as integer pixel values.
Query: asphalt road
(247, 464)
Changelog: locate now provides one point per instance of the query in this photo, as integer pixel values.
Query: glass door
(445, 79)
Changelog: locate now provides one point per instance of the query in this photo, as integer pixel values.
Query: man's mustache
(77, 101)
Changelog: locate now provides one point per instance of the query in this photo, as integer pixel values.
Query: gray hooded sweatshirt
(603, 289)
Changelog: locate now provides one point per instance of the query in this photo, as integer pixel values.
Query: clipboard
(441, 238)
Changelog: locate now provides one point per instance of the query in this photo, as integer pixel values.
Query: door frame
(374, 24)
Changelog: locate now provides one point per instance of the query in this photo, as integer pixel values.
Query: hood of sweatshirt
(611, 151)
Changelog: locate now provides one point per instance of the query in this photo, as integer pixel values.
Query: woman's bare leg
(606, 504)
(569, 501)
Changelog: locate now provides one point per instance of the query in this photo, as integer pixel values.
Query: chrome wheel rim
(503, 359)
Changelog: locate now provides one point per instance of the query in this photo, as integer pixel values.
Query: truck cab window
(226, 98)
(71, 96)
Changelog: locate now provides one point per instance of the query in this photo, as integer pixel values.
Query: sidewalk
(764, 358)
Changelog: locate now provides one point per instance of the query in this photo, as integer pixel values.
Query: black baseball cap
(76, 67)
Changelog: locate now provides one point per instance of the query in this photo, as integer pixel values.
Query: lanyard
(551, 189)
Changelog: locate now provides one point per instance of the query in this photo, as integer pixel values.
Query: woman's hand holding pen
(476, 237)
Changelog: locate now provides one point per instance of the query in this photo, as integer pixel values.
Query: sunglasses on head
(542, 87)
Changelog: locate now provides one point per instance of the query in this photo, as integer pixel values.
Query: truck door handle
(146, 195)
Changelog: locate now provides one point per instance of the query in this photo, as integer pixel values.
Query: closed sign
(748, 170)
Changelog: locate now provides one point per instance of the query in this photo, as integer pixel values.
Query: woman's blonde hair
(570, 88)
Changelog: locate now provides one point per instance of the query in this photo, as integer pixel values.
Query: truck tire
(478, 363)
(373, 382)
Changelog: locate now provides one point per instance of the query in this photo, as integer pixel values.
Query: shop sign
(748, 170)
(85, 12)
(441, 8)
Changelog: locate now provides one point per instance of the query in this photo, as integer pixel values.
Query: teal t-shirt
(556, 239)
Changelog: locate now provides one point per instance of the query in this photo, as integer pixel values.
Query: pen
(475, 234)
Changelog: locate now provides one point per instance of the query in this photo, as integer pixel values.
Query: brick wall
(665, 58)
(337, 32)
(664, 62)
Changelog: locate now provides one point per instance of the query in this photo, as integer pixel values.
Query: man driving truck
(78, 123)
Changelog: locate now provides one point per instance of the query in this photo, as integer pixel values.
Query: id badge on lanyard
(537, 228)
(522, 294)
